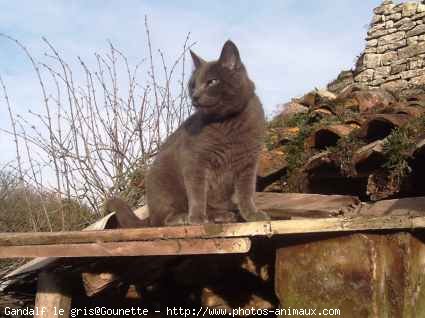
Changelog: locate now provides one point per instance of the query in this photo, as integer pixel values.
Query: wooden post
(51, 301)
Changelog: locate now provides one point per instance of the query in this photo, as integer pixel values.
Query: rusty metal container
(362, 275)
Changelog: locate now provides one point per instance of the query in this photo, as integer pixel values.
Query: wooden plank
(142, 248)
(51, 301)
(247, 229)
(348, 225)
(293, 205)
(280, 205)
(266, 228)
(406, 206)
(139, 234)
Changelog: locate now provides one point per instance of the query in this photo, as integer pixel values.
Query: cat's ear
(229, 57)
(197, 61)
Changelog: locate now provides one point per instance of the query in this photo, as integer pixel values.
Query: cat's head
(220, 88)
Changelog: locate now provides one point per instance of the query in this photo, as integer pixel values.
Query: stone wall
(395, 47)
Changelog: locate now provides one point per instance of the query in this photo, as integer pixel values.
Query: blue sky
(288, 46)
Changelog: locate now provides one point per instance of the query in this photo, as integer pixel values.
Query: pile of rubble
(367, 142)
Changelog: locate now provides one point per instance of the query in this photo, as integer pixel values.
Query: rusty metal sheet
(362, 275)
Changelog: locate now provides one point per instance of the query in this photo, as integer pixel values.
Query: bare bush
(96, 136)
(45, 212)
(46, 208)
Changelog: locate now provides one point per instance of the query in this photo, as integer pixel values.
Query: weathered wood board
(295, 205)
(398, 214)
(145, 248)
(248, 229)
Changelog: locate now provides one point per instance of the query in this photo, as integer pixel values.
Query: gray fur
(212, 157)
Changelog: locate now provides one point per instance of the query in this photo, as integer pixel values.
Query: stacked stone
(395, 47)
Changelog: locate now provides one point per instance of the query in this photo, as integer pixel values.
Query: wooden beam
(295, 205)
(248, 229)
(96, 282)
(51, 300)
(142, 248)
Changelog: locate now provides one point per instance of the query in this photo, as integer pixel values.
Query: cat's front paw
(231, 218)
(256, 216)
(223, 216)
(197, 219)
(179, 219)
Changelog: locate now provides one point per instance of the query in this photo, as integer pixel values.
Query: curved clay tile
(323, 175)
(417, 173)
(324, 110)
(408, 108)
(317, 161)
(316, 97)
(272, 166)
(413, 111)
(374, 97)
(308, 100)
(328, 136)
(286, 134)
(289, 109)
(349, 90)
(271, 161)
(364, 100)
(416, 98)
(380, 126)
(348, 103)
(420, 148)
(279, 136)
(369, 157)
(355, 123)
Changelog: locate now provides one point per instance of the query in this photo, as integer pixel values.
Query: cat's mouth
(197, 105)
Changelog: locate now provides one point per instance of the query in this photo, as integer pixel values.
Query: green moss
(296, 152)
(271, 138)
(344, 151)
(298, 120)
(396, 149)
(295, 149)
(399, 147)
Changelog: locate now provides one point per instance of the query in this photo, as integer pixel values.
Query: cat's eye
(212, 82)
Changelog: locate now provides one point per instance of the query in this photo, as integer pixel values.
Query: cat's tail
(125, 216)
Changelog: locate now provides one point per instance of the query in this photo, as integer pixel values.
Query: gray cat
(212, 157)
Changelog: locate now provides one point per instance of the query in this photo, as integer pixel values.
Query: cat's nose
(196, 95)
(195, 99)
